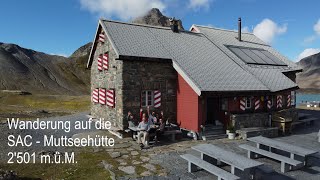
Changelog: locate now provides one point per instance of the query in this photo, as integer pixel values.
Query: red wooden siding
(187, 106)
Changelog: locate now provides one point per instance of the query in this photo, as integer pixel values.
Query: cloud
(310, 39)
(196, 5)
(122, 9)
(267, 30)
(245, 29)
(316, 27)
(308, 52)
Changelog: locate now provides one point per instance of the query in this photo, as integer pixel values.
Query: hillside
(309, 79)
(37, 72)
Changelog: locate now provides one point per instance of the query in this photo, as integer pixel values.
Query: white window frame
(146, 100)
(246, 102)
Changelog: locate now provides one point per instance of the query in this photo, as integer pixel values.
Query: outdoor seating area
(214, 158)
(151, 128)
(273, 146)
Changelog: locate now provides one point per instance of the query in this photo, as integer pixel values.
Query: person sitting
(131, 121)
(143, 128)
(161, 129)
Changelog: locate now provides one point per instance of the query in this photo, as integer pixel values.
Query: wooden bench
(172, 134)
(286, 163)
(193, 162)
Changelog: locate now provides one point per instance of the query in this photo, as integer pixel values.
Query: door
(212, 110)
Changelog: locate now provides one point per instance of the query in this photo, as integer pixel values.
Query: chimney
(239, 29)
(174, 25)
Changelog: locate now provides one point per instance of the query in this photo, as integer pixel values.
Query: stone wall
(139, 75)
(250, 120)
(109, 79)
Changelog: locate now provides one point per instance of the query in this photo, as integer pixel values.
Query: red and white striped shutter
(105, 60)
(279, 101)
(269, 105)
(101, 37)
(243, 104)
(102, 96)
(257, 103)
(157, 99)
(111, 98)
(95, 95)
(100, 63)
(289, 100)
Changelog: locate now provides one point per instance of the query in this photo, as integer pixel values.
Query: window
(147, 98)
(248, 102)
(271, 100)
(293, 98)
(224, 104)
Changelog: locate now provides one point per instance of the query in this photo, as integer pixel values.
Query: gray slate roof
(270, 76)
(200, 61)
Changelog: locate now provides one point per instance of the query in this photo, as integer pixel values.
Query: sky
(61, 26)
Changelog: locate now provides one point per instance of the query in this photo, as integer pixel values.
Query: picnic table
(295, 151)
(234, 160)
(134, 130)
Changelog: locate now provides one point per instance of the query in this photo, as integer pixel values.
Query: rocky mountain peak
(154, 17)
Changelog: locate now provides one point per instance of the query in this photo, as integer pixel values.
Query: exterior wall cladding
(128, 78)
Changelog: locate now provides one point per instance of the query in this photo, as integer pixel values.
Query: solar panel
(253, 56)
(275, 59)
(263, 56)
(256, 56)
(242, 55)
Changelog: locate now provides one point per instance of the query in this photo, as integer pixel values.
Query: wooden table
(236, 161)
(292, 149)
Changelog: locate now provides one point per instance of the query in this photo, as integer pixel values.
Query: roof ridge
(221, 29)
(136, 24)
(145, 25)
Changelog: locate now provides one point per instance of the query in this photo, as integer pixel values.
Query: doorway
(212, 111)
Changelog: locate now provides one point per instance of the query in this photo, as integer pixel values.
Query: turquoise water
(307, 97)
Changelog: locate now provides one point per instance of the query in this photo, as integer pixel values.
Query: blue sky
(61, 26)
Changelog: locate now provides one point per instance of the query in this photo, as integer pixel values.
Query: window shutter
(100, 62)
(105, 60)
(288, 100)
(243, 104)
(111, 98)
(102, 37)
(95, 95)
(257, 103)
(157, 98)
(102, 96)
(279, 101)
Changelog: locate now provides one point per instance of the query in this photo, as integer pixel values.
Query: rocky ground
(126, 161)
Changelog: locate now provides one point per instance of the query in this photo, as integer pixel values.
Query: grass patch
(89, 166)
(31, 106)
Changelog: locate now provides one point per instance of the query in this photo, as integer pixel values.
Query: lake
(307, 97)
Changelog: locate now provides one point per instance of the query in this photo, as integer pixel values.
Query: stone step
(217, 136)
(214, 132)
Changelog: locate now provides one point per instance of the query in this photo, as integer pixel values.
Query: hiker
(131, 121)
(143, 128)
